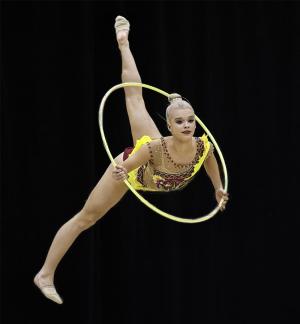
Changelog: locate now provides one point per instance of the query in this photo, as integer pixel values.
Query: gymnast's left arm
(212, 170)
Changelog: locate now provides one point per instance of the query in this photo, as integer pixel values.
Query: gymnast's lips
(187, 132)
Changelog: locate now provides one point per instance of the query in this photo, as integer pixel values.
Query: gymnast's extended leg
(103, 197)
(141, 122)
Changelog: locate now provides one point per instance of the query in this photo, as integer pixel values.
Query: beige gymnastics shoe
(121, 24)
(48, 291)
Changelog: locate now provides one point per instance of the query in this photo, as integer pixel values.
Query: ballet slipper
(121, 24)
(48, 291)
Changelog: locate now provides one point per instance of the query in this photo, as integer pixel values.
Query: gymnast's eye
(178, 121)
(191, 120)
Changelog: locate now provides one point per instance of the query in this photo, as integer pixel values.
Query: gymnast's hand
(119, 173)
(221, 193)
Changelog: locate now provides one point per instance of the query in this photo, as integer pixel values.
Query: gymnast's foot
(46, 286)
(122, 27)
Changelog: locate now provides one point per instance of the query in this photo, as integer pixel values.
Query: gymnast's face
(181, 123)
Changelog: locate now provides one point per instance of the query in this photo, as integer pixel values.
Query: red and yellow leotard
(159, 173)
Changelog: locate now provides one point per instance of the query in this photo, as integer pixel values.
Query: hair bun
(174, 96)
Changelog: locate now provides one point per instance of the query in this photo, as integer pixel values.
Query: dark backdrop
(238, 64)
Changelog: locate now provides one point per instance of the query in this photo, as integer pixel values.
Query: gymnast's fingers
(118, 174)
(121, 167)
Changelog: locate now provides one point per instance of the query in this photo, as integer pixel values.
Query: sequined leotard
(161, 173)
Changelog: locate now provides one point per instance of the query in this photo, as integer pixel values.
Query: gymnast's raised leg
(140, 121)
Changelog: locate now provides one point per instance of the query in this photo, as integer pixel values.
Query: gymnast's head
(180, 117)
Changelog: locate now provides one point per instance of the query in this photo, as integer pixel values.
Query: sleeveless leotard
(159, 173)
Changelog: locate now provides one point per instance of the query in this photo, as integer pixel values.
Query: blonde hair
(176, 102)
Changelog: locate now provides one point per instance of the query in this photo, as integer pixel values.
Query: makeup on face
(183, 122)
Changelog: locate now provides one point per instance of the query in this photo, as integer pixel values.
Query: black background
(238, 64)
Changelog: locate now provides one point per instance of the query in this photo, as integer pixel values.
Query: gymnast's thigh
(107, 191)
(141, 122)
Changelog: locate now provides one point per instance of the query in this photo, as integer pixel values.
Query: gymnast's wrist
(220, 188)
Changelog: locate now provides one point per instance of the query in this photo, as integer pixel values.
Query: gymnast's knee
(87, 217)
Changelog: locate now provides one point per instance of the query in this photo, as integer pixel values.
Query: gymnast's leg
(140, 121)
(103, 197)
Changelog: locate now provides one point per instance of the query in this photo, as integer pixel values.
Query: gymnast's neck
(182, 146)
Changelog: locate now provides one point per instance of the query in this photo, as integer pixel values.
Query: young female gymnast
(155, 163)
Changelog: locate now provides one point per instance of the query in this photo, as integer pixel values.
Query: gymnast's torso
(161, 172)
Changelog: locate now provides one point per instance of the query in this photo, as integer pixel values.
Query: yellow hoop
(141, 198)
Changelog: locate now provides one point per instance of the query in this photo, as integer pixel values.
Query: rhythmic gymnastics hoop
(140, 197)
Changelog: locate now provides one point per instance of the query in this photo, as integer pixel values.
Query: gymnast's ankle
(122, 40)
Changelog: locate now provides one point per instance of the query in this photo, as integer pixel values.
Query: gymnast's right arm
(140, 157)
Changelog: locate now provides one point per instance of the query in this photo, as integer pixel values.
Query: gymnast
(154, 163)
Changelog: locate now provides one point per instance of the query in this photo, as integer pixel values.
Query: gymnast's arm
(140, 157)
(212, 170)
